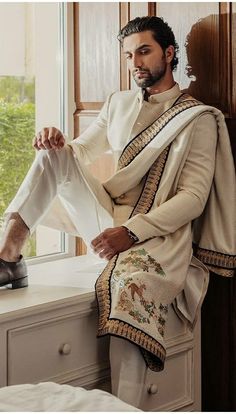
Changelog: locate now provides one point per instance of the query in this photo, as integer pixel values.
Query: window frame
(66, 108)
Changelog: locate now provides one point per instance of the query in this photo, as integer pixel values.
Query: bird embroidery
(137, 289)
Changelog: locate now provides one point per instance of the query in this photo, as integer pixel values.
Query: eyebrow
(142, 46)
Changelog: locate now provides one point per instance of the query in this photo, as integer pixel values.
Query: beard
(149, 77)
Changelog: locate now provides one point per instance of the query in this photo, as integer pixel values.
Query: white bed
(51, 397)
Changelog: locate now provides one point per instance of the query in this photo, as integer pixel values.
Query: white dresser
(48, 333)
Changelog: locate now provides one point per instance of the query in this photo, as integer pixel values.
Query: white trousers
(56, 193)
(128, 371)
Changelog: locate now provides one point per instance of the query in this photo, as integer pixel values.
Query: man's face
(145, 57)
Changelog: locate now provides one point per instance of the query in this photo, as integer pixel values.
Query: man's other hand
(49, 138)
(112, 241)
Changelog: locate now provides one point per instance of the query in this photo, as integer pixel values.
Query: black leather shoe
(14, 273)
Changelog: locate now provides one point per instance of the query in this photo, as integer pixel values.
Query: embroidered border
(151, 185)
(221, 272)
(209, 257)
(138, 143)
(154, 353)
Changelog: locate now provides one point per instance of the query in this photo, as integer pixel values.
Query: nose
(136, 62)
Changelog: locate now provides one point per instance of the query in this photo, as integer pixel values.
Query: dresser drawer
(176, 329)
(55, 348)
(170, 389)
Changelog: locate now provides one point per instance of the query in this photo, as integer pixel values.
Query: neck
(162, 85)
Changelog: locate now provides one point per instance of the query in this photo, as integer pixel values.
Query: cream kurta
(163, 179)
(123, 116)
(138, 285)
(145, 280)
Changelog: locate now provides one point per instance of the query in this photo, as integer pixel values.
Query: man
(167, 154)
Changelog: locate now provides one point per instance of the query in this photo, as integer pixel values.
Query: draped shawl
(137, 286)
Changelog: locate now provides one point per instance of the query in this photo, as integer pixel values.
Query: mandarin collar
(161, 97)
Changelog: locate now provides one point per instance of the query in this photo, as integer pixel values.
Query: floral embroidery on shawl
(132, 298)
(139, 260)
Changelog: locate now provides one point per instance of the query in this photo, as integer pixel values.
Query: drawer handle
(65, 349)
(152, 389)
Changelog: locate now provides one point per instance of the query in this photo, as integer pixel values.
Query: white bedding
(49, 396)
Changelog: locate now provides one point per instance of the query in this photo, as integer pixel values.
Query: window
(33, 94)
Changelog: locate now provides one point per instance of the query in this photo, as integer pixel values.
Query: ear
(169, 53)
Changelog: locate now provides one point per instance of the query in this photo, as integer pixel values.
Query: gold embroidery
(209, 257)
(143, 139)
(221, 271)
(119, 328)
(151, 185)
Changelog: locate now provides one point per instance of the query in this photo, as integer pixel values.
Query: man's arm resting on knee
(48, 138)
(89, 145)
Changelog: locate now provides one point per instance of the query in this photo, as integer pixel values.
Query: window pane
(23, 102)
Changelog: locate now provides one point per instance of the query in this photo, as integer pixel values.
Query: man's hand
(49, 138)
(112, 241)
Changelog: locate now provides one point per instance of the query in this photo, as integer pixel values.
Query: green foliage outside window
(17, 128)
(17, 89)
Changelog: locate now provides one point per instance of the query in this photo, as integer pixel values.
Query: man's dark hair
(162, 33)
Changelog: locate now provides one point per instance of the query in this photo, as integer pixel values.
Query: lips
(141, 74)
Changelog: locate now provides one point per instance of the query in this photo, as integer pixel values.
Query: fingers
(112, 241)
(104, 251)
(103, 247)
(49, 138)
(106, 254)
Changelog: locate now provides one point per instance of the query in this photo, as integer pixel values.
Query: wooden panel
(197, 69)
(97, 50)
(233, 60)
(231, 125)
(89, 105)
(82, 120)
(124, 74)
(225, 58)
(152, 9)
(138, 9)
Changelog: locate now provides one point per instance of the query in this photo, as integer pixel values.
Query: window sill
(78, 271)
(51, 285)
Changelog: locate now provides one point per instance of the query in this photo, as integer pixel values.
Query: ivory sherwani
(169, 154)
(124, 116)
(162, 183)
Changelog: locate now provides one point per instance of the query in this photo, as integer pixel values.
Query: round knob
(65, 349)
(152, 389)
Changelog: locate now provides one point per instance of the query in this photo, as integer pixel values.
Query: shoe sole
(17, 284)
